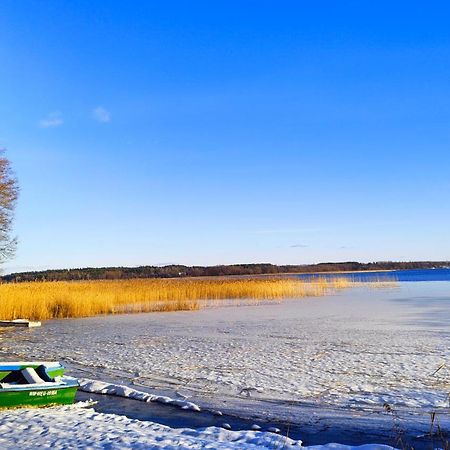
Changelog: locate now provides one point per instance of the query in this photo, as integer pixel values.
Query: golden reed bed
(60, 299)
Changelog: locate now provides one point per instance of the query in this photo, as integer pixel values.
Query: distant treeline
(122, 273)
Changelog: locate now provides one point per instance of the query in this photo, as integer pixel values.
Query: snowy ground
(354, 351)
(80, 427)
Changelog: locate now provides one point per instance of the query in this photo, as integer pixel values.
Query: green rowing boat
(24, 384)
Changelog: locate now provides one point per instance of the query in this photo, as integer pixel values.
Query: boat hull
(38, 397)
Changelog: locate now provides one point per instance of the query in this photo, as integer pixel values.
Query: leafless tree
(9, 190)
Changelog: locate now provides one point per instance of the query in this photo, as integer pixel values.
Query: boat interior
(27, 376)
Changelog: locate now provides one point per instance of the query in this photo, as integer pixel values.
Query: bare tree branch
(9, 191)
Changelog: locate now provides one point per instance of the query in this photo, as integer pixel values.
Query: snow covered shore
(79, 426)
(310, 363)
(355, 350)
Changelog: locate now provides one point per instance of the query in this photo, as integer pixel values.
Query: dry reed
(60, 299)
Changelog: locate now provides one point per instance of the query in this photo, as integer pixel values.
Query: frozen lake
(330, 363)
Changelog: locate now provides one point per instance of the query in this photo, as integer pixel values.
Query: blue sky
(226, 132)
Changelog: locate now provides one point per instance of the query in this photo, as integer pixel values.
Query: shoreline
(344, 426)
(313, 379)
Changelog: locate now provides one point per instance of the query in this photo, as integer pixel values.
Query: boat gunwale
(73, 383)
(30, 363)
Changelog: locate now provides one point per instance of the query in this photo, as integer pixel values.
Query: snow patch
(99, 387)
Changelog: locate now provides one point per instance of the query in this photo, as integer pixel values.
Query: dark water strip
(401, 429)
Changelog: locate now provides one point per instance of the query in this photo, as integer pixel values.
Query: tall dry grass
(60, 299)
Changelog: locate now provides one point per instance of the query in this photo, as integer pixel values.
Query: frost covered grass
(48, 300)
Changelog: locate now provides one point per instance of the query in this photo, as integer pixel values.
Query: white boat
(19, 323)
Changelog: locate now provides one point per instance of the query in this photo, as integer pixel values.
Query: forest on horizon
(171, 271)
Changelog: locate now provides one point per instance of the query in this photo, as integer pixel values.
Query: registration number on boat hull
(42, 393)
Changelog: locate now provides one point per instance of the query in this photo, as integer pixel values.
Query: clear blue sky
(226, 132)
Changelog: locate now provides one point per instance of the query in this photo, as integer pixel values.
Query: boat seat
(31, 376)
(42, 372)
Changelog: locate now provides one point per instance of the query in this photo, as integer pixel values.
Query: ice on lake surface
(355, 350)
